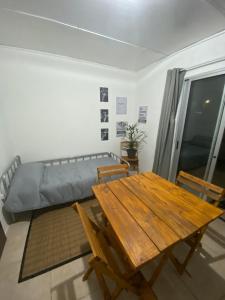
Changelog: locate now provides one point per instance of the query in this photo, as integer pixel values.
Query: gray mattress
(36, 186)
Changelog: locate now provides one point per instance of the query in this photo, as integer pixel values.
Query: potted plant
(134, 137)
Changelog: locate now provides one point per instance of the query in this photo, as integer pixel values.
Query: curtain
(164, 142)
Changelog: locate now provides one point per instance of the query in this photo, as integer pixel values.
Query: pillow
(24, 190)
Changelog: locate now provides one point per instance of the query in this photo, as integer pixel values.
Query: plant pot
(131, 153)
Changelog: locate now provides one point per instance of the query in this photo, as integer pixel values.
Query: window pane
(202, 113)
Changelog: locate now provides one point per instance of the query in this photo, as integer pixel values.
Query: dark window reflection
(202, 113)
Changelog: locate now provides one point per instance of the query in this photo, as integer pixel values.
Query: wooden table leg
(158, 269)
(193, 245)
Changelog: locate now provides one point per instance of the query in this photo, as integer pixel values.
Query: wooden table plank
(141, 187)
(158, 231)
(134, 241)
(186, 199)
(183, 208)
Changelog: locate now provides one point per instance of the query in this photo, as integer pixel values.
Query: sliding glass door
(200, 136)
(217, 167)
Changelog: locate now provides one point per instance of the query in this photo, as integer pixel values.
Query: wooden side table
(134, 164)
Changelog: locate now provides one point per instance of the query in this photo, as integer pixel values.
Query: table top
(149, 214)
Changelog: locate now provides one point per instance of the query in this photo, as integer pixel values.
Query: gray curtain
(171, 97)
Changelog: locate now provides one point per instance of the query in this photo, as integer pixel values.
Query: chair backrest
(112, 170)
(91, 231)
(216, 193)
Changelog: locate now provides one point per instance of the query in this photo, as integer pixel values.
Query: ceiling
(128, 34)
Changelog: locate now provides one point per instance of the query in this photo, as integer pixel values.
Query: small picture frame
(142, 114)
(121, 105)
(104, 134)
(121, 129)
(104, 96)
(104, 115)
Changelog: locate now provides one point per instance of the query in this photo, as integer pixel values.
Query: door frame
(217, 144)
(180, 123)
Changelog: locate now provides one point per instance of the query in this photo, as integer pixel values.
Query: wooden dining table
(150, 215)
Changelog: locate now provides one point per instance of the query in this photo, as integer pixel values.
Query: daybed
(36, 185)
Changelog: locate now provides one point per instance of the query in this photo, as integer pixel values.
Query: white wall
(6, 154)
(52, 104)
(50, 107)
(151, 83)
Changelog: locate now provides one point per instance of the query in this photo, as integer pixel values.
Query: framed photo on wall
(142, 114)
(104, 115)
(104, 97)
(121, 129)
(121, 105)
(104, 134)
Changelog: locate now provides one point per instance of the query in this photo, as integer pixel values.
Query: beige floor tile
(214, 238)
(205, 283)
(98, 296)
(127, 295)
(33, 289)
(169, 285)
(66, 281)
(14, 247)
(10, 272)
(8, 279)
(207, 266)
(94, 296)
(36, 288)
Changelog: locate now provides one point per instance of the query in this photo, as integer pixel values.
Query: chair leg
(104, 220)
(87, 273)
(181, 266)
(116, 292)
(146, 292)
(103, 285)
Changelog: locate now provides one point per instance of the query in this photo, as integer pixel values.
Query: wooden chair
(112, 170)
(104, 263)
(102, 173)
(214, 192)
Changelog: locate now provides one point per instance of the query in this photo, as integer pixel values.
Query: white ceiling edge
(148, 68)
(132, 73)
(68, 59)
